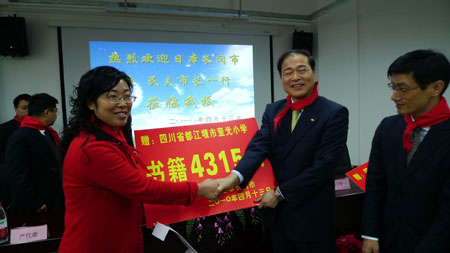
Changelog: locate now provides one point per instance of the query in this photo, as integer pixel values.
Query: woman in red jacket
(104, 181)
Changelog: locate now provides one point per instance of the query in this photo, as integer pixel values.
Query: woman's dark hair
(92, 84)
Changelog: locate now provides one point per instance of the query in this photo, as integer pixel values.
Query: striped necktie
(295, 118)
(415, 138)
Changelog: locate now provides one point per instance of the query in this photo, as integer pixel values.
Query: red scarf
(439, 113)
(31, 122)
(299, 105)
(16, 118)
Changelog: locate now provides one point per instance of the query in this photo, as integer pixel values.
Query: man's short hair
(304, 52)
(40, 102)
(426, 67)
(17, 99)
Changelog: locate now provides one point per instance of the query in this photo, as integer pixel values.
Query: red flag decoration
(358, 175)
(195, 153)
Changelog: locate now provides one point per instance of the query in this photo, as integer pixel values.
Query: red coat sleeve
(105, 164)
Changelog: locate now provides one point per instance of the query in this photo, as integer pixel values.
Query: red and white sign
(358, 175)
(195, 153)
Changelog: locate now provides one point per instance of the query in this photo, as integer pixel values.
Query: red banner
(358, 175)
(195, 153)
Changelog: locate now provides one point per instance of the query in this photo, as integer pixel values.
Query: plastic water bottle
(3, 225)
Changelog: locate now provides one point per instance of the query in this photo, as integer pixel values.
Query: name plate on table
(28, 234)
(342, 184)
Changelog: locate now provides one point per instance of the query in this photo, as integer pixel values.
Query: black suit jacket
(32, 169)
(6, 129)
(409, 205)
(303, 163)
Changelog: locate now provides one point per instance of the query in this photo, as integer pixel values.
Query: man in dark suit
(6, 129)
(407, 199)
(303, 155)
(31, 160)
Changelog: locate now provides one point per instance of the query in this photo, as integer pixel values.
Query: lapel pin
(312, 120)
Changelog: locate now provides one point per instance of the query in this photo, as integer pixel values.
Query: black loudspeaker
(13, 36)
(302, 40)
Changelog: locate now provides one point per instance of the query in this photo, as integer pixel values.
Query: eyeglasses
(401, 90)
(113, 99)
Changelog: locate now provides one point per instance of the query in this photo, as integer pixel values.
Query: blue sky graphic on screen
(182, 84)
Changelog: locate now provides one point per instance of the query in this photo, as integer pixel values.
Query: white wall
(359, 41)
(35, 73)
(337, 67)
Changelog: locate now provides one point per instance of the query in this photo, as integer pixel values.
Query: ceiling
(281, 9)
(269, 10)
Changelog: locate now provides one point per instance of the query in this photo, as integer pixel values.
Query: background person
(31, 160)
(6, 129)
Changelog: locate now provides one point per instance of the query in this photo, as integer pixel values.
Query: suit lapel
(436, 136)
(399, 154)
(45, 142)
(306, 121)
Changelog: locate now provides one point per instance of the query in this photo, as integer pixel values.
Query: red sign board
(195, 153)
(358, 175)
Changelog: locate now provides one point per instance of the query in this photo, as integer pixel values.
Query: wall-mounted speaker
(302, 40)
(13, 36)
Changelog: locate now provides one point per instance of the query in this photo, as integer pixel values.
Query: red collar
(299, 105)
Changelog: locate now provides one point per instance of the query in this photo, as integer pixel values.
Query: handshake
(212, 188)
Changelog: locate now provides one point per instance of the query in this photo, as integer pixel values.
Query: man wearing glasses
(6, 129)
(31, 160)
(407, 199)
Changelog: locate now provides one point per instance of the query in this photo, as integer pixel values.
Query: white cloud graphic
(246, 81)
(179, 90)
(137, 91)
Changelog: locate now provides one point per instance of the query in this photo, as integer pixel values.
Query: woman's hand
(209, 189)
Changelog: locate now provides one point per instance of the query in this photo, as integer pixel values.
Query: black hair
(41, 102)
(17, 99)
(425, 66)
(304, 52)
(92, 84)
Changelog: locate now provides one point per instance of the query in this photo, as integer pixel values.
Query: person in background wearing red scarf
(300, 211)
(6, 129)
(31, 162)
(407, 199)
(105, 181)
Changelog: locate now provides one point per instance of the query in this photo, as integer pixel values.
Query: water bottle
(3, 225)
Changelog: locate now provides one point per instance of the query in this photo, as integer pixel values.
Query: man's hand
(370, 246)
(209, 189)
(228, 182)
(268, 199)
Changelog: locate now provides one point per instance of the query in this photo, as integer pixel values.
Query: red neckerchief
(31, 122)
(299, 105)
(16, 118)
(439, 113)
